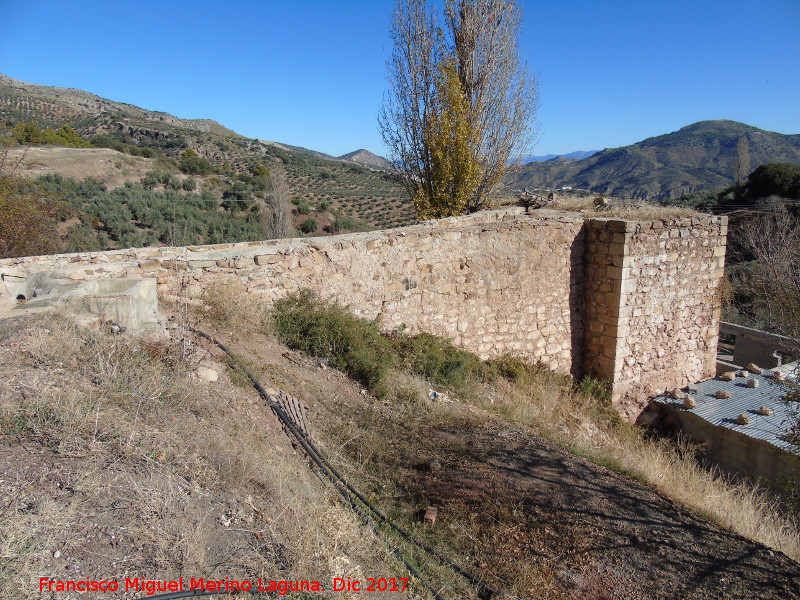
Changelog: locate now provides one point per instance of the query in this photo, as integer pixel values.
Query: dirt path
(625, 540)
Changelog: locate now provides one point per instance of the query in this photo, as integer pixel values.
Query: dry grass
(549, 404)
(633, 210)
(109, 166)
(385, 446)
(590, 427)
(117, 462)
(231, 309)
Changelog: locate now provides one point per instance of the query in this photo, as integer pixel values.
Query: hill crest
(697, 157)
(367, 158)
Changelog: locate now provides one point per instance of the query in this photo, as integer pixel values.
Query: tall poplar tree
(461, 106)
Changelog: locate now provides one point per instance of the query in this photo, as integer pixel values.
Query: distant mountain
(695, 158)
(367, 158)
(577, 155)
(91, 115)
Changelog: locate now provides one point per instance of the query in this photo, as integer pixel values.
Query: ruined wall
(652, 303)
(577, 296)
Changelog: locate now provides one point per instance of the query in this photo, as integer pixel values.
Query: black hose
(486, 592)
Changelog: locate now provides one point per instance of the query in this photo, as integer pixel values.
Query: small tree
(779, 179)
(461, 104)
(27, 133)
(773, 240)
(27, 219)
(192, 164)
(308, 226)
(741, 160)
(276, 216)
(450, 135)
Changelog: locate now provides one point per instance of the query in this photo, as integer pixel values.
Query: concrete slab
(131, 304)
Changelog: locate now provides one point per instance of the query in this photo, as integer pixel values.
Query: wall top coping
(618, 225)
(496, 217)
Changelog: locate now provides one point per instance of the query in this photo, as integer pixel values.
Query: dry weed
(634, 210)
(572, 420)
(231, 309)
(644, 212)
(139, 470)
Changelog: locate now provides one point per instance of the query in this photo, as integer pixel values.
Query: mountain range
(355, 190)
(695, 158)
(577, 155)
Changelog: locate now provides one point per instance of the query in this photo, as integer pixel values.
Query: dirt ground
(109, 166)
(529, 518)
(537, 514)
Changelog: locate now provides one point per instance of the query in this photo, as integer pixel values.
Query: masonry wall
(652, 303)
(496, 282)
(548, 286)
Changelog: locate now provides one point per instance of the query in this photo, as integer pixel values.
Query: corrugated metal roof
(723, 412)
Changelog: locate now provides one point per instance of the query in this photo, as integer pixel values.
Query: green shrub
(438, 360)
(325, 330)
(308, 226)
(192, 164)
(150, 180)
(599, 389)
(506, 366)
(31, 133)
(356, 346)
(343, 222)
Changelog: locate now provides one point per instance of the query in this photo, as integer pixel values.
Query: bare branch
(501, 96)
(773, 242)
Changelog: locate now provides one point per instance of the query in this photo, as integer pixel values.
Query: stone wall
(652, 303)
(548, 286)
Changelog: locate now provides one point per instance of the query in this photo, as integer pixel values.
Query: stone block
(150, 265)
(202, 264)
(267, 259)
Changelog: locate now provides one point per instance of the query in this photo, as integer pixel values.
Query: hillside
(123, 458)
(695, 158)
(364, 197)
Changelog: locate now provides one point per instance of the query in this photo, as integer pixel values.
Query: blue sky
(312, 73)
